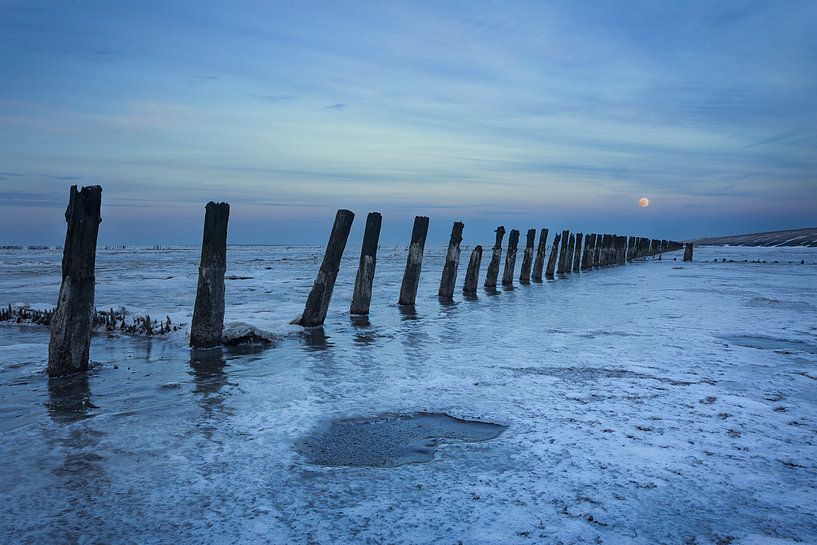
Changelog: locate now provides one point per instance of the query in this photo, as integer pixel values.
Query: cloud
(529, 107)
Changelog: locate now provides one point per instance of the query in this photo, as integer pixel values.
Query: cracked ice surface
(644, 404)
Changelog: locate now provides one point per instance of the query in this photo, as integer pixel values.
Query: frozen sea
(651, 403)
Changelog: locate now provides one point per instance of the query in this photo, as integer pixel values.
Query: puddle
(391, 440)
(786, 346)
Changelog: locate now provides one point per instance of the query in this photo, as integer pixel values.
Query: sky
(526, 114)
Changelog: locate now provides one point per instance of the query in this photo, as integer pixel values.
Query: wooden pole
(588, 252)
(571, 247)
(317, 304)
(563, 251)
(554, 251)
(362, 296)
(414, 262)
(207, 326)
(472, 275)
(71, 323)
(597, 250)
(539, 262)
(510, 258)
(688, 251)
(452, 263)
(577, 253)
(496, 256)
(527, 257)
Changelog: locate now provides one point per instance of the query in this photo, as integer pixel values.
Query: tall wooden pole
(414, 262)
(577, 252)
(554, 253)
(563, 251)
(539, 262)
(362, 296)
(496, 256)
(452, 263)
(71, 323)
(510, 258)
(527, 257)
(571, 246)
(317, 304)
(207, 326)
(472, 275)
(688, 251)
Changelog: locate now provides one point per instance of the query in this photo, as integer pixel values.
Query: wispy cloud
(530, 107)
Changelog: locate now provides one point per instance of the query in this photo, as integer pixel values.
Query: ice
(644, 404)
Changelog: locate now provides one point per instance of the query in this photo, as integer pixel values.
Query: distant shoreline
(806, 237)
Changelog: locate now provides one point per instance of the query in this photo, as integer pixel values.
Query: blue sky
(528, 114)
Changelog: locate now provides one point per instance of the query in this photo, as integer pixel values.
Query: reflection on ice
(69, 398)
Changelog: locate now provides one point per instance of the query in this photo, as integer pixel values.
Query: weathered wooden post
(362, 296)
(510, 258)
(563, 251)
(527, 257)
(571, 247)
(72, 320)
(688, 251)
(472, 274)
(207, 326)
(414, 262)
(317, 304)
(496, 256)
(597, 250)
(554, 251)
(452, 263)
(539, 262)
(577, 252)
(605, 240)
(588, 252)
(616, 249)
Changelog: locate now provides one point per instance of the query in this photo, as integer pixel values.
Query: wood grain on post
(414, 262)
(527, 257)
(510, 258)
(563, 251)
(472, 274)
(554, 253)
(452, 263)
(317, 304)
(71, 322)
(539, 262)
(496, 256)
(207, 326)
(362, 296)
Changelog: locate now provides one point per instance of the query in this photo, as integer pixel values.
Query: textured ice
(641, 407)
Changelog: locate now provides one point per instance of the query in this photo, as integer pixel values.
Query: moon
(644, 202)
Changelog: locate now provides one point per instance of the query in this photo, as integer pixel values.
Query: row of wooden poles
(71, 323)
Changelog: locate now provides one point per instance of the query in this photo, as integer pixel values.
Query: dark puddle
(391, 440)
(786, 346)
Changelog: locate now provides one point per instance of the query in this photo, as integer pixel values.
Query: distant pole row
(569, 253)
(71, 323)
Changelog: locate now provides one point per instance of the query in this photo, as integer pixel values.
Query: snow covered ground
(651, 403)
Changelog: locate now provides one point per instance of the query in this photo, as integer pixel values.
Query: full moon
(644, 202)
